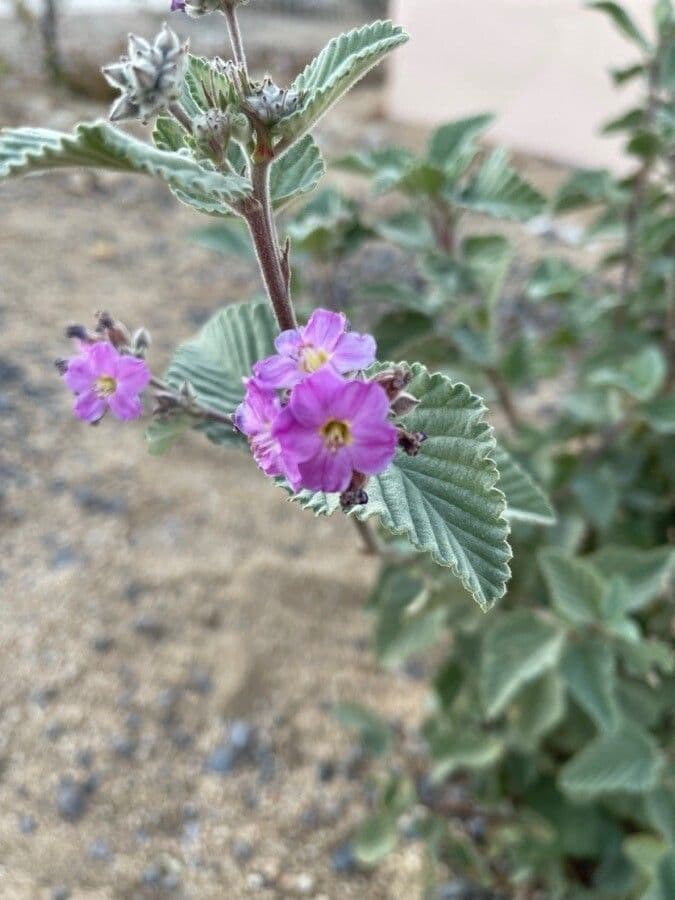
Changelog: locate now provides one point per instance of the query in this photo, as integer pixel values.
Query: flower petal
(327, 471)
(324, 329)
(277, 372)
(289, 342)
(354, 351)
(124, 405)
(89, 407)
(297, 441)
(313, 400)
(79, 376)
(132, 374)
(374, 446)
(103, 358)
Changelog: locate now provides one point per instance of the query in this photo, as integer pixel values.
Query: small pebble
(343, 860)
(242, 850)
(150, 627)
(27, 824)
(103, 643)
(99, 850)
(326, 770)
(60, 893)
(124, 746)
(71, 799)
(199, 681)
(54, 730)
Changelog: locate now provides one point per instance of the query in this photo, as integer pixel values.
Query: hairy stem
(371, 544)
(260, 219)
(190, 406)
(230, 14)
(178, 112)
(505, 397)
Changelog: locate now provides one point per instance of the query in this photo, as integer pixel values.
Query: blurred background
(173, 633)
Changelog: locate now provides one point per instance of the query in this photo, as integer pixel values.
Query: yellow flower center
(105, 385)
(312, 359)
(336, 434)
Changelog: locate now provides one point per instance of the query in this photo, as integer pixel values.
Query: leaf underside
(98, 145)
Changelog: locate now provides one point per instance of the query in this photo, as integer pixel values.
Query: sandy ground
(148, 605)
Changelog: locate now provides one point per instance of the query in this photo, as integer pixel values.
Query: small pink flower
(103, 379)
(332, 428)
(255, 418)
(322, 342)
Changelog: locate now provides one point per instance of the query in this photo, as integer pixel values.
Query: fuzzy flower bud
(269, 103)
(212, 131)
(196, 8)
(150, 78)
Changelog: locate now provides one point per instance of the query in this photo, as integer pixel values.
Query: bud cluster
(150, 78)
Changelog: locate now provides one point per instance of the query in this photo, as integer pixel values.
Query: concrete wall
(541, 65)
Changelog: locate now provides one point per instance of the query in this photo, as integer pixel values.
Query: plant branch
(189, 405)
(235, 37)
(178, 112)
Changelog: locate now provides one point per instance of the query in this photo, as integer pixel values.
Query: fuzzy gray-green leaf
(343, 62)
(100, 146)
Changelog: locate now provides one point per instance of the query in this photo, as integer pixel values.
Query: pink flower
(323, 341)
(255, 418)
(103, 379)
(331, 428)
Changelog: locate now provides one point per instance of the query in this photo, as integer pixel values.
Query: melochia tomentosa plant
(323, 418)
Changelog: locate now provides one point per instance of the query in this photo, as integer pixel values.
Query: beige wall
(541, 65)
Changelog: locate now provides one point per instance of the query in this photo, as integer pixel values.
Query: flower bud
(404, 404)
(393, 381)
(78, 333)
(114, 331)
(150, 78)
(355, 494)
(269, 103)
(411, 441)
(212, 131)
(141, 341)
(196, 8)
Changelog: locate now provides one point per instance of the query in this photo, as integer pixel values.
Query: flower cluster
(306, 422)
(150, 78)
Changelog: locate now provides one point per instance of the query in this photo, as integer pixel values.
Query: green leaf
(664, 884)
(641, 375)
(540, 707)
(525, 500)
(622, 21)
(221, 355)
(517, 649)
(405, 622)
(461, 749)
(498, 190)
(343, 62)
(488, 258)
(625, 761)
(648, 572)
(553, 277)
(229, 238)
(659, 414)
(587, 187)
(375, 838)
(407, 230)
(645, 851)
(660, 807)
(163, 433)
(101, 146)
(588, 668)
(297, 172)
(445, 500)
(169, 135)
(374, 733)
(575, 587)
(450, 141)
